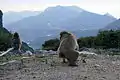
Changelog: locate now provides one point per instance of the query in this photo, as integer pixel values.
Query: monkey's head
(15, 35)
(64, 34)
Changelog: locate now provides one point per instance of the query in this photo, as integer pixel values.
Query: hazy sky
(97, 6)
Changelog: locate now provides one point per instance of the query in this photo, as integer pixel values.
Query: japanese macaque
(68, 48)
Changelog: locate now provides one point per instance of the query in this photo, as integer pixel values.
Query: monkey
(16, 43)
(68, 48)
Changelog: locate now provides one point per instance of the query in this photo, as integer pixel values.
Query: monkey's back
(68, 43)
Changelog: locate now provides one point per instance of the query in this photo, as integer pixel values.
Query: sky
(97, 6)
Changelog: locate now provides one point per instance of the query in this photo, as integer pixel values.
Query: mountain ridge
(53, 18)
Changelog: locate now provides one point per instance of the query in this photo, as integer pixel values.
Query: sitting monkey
(67, 48)
(16, 43)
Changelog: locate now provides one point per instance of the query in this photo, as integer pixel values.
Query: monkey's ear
(63, 32)
(60, 37)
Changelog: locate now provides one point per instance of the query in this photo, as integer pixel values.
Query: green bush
(5, 39)
(51, 44)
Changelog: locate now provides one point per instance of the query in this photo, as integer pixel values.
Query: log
(6, 52)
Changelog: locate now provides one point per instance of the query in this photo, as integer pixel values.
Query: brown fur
(66, 50)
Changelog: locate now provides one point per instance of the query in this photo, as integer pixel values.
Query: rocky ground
(98, 67)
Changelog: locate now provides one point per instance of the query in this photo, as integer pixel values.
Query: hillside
(114, 25)
(88, 20)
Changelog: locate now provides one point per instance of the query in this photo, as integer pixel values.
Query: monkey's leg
(61, 55)
(83, 59)
(64, 60)
(72, 56)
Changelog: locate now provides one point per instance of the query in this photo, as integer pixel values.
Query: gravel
(98, 67)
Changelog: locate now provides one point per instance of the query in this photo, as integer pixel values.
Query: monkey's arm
(58, 51)
(20, 44)
(77, 47)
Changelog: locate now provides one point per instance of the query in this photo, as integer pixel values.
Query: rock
(28, 53)
(97, 65)
(34, 77)
(84, 49)
(1, 14)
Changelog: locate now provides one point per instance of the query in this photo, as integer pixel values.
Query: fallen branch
(6, 52)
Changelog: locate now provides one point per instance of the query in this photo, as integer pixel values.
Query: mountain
(61, 17)
(114, 25)
(88, 20)
(11, 16)
(56, 19)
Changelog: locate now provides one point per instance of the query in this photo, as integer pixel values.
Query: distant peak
(65, 7)
(59, 6)
(72, 7)
(75, 8)
(108, 14)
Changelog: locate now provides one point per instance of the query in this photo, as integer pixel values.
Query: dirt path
(96, 68)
